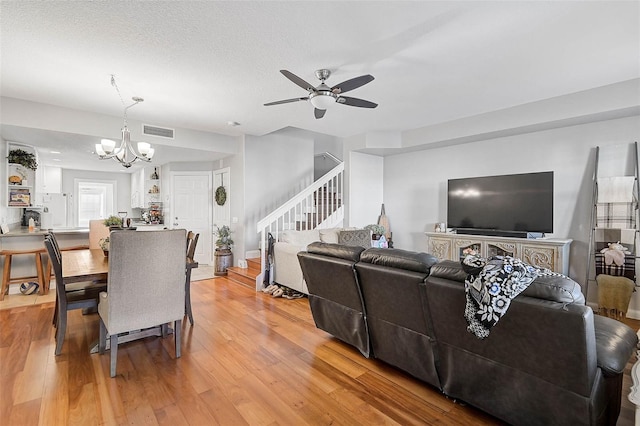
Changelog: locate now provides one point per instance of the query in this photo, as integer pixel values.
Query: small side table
(634, 395)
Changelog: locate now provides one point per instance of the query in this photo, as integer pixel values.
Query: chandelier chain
(114, 84)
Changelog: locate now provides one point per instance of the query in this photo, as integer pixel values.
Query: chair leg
(55, 313)
(44, 286)
(177, 332)
(187, 296)
(102, 342)
(61, 330)
(6, 276)
(114, 354)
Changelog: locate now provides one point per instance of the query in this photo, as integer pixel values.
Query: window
(95, 200)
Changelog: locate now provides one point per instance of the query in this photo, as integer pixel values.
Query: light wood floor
(249, 359)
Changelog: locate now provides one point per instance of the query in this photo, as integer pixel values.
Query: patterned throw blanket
(490, 286)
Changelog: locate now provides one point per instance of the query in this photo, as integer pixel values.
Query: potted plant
(104, 245)
(223, 255)
(223, 237)
(22, 157)
(113, 222)
(376, 231)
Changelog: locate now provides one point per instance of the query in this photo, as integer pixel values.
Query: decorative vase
(106, 253)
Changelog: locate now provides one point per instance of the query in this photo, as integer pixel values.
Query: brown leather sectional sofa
(550, 360)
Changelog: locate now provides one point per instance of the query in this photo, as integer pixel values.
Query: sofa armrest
(615, 343)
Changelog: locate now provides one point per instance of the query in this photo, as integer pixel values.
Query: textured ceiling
(201, 64)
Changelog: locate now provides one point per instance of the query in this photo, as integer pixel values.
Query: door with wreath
(221, 197)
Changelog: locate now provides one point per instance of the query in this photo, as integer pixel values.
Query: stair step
(242, 276)
(254, 263)
(245, 276)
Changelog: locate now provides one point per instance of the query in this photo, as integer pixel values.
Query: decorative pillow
(330, 235)
(299, 238)
(359, 237)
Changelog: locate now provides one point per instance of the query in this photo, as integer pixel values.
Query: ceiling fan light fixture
(323, 100)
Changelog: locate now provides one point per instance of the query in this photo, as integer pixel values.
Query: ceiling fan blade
(354, 83)
(319, 113)
(286, 101)
(297, 80)
(346, 100)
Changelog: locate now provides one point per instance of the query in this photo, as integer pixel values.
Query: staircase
(245, 276)
(319, 205)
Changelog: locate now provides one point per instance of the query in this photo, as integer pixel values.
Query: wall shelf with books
(21, 175)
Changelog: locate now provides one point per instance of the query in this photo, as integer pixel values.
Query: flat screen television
(506, 205)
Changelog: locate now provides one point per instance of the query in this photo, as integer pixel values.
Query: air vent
(160, 132)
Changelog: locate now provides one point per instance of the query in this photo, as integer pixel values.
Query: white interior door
(222, 213)
(191, 200)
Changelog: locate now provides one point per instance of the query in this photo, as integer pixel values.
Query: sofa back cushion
(555, 288)
(537, 341)
(398, 258)
(330, 235)
(299, 238)
(340, 251)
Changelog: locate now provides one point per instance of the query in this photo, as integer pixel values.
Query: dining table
(93, 265)
(84, 265)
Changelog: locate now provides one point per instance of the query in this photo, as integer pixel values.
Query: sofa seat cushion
(555, 288)
(398, 258)
(336, 250)
(615, 342)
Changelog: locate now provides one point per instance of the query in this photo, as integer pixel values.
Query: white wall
(277, 167)
(365, 189)
(415, 183)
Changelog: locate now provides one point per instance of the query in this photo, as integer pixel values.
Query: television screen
(509, 203)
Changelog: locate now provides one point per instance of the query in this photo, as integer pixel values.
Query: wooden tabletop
(84, 265)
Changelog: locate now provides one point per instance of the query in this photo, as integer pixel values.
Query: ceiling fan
(323, 96)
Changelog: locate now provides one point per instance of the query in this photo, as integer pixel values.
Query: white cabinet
(547, 253)
(48, 181)
(51, 181)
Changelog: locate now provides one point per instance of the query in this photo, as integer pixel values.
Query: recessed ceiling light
(55, 152)
(233, 123)
(57, 159)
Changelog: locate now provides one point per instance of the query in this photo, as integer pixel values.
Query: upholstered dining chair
(192, 242)
(145, 286)
(68, 296)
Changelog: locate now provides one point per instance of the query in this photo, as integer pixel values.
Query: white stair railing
(315, 207)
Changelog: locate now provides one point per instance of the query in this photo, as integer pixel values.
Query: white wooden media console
(548, 253)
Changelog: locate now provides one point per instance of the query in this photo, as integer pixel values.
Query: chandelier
(124, 153)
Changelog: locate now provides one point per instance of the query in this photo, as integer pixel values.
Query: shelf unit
(20, 180)
(547, 253)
